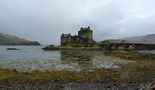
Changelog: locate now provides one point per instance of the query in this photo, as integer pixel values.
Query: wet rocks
(146, 53)
(12, 49)
(51, 47)
(61, 85)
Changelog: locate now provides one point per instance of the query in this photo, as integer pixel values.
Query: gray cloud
(45, 20)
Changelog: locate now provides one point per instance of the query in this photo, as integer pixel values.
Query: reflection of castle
(84, 37)
(81, 59)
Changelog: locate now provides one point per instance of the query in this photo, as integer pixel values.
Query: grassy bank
(142, 69)
(132, 55)
(52, 47)
(68, 76)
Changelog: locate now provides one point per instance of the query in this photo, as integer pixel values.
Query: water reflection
(88, 60)
(82, 59)
(34, 58)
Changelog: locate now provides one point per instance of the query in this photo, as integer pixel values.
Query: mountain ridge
(6, 39)
(146, 39)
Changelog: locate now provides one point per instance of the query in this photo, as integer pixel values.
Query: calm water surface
(30, 58)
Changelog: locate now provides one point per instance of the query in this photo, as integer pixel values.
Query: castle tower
(86, 33)
(65, 38)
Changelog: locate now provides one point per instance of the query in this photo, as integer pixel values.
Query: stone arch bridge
(127, 46)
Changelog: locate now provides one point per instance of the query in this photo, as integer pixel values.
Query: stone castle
(84, 38)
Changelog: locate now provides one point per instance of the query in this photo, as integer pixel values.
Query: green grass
(143, 68)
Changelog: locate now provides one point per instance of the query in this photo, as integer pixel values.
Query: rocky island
(82, 41)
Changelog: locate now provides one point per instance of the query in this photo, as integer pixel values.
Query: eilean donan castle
(84, 38)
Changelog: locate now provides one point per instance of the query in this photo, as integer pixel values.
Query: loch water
(30, 58)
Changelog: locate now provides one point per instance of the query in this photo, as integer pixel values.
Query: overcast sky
(45, 20)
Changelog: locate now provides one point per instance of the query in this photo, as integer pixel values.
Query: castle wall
(65, 39)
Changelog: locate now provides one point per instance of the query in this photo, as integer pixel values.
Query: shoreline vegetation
(52, 47)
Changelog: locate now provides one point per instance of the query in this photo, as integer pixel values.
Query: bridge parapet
(128, 46)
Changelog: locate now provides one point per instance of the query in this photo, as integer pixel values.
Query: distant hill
(147, 39)
(144, 39)
(6, 39)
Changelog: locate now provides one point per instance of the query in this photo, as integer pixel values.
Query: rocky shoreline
(52, 47)
(62, 85)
